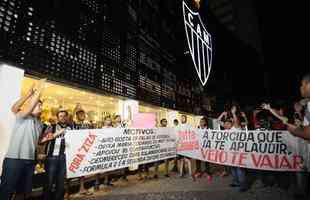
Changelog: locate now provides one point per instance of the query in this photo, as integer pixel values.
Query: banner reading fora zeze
(101, 150)
(265, 150)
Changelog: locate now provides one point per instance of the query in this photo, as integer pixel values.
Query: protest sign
(101, 150)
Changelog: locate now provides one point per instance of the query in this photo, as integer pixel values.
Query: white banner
(265, 150)
(101, 150)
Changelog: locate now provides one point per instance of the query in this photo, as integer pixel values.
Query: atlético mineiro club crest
(199, 43)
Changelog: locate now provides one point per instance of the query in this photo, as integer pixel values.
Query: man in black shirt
(55, 165)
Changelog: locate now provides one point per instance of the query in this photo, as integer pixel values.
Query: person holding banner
(303, 131)
(185, 126)
(164, 123)
(225, 121)
(238, 173)
(107, 124)
(55, 164)
(118, 123)
(18, 165)
(79, 124)
(301, 176)
(203, 125)
(175, 167)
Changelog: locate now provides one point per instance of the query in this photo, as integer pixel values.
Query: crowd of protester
(23, 150)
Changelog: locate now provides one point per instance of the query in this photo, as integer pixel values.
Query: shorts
(17, 176)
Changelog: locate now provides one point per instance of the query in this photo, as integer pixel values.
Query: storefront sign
(199, 42)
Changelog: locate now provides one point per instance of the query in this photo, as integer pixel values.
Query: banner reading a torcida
(264, 150)
(101, 150)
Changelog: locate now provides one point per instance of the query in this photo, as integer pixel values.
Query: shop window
(56, 96)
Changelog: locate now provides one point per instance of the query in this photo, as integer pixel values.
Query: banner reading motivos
(265, 150)
(101, 150)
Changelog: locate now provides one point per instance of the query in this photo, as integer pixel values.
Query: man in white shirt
(305, 131)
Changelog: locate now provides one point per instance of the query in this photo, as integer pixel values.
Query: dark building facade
(130, 48)
(127, 48)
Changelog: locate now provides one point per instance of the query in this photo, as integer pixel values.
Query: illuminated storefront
(58, 96)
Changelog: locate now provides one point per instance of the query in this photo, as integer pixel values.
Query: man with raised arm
(18, 165)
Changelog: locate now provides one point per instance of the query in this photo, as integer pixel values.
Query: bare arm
(221, 116)
(50, 136)
(33, 101)
(267, 107)
(299, 132)
(245, 118)
(28, 109)
(20, 102)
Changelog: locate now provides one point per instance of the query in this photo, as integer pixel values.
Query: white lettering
(198, 30)
(190, 19)
(205, 37)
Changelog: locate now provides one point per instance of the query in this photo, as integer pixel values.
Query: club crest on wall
(199, 43)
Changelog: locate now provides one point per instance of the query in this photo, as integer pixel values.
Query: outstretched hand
(233, 110)
(31, 90)
(266, 106)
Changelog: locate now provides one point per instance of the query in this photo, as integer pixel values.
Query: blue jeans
(55, 167)
(238, 175)
(14, 172)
